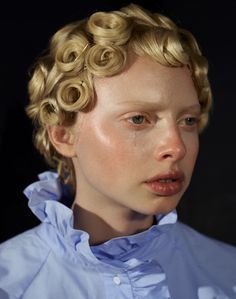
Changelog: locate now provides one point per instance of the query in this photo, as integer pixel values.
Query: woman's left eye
(190, 121)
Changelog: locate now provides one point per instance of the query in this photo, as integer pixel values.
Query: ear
(62, 139)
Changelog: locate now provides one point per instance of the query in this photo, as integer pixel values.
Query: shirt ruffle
(129, 252)
(44, 201)
(44, 196)
(123, 248)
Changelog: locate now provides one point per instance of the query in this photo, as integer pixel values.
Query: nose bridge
(171, 145)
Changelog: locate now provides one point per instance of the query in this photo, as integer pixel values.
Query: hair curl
(62, 81)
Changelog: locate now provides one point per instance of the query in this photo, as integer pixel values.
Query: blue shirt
(55, 261)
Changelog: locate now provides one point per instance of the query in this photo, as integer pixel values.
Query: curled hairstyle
(62, 80)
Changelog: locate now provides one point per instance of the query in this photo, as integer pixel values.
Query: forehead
(146, 80)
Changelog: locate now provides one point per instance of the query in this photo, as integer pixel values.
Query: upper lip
(173, 175)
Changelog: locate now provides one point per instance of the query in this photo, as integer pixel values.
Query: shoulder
(21, 258)
(192, 237)
(211, 254)
(23, 246)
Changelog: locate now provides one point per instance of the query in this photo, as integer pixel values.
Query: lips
(166, 184)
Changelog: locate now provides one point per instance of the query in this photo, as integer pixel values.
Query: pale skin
(145, 124)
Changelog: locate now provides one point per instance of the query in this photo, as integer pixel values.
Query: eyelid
(152, 117)
(148, 120)
(140, 113)
(196, 115)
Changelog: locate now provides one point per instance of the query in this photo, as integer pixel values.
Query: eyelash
(188, 122)
(145, 121)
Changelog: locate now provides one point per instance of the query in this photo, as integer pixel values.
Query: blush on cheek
(108, 148)
(107, 145)
(114, 139)
(102, 135)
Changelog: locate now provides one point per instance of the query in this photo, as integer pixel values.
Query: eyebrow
(140, 104)
(158, 106)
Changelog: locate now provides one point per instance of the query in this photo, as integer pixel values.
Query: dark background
(209, 205)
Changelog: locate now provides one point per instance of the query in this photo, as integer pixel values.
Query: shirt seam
(41, 266)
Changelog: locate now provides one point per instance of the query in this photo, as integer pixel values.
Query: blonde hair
(62, 81)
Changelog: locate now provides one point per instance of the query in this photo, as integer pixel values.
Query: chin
(163, 206)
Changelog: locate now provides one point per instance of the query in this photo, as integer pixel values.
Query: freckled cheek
(109, 145)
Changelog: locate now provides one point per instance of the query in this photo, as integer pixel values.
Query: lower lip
(165, 189)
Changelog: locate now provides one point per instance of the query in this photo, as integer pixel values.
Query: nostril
(166, 156)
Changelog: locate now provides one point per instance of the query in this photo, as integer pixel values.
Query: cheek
(192, 150)
(105, 146)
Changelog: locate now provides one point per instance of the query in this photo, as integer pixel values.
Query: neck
(102, 227)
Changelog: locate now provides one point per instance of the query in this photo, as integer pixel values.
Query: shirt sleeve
(20, 260)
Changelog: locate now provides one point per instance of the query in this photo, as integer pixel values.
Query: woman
(118, 103)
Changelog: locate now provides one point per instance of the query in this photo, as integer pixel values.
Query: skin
(114, 156)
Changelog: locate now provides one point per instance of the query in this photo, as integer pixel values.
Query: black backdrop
(209, 205)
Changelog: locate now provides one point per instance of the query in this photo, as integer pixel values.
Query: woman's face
(136, 150)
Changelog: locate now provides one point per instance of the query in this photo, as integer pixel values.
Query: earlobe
(62, 138)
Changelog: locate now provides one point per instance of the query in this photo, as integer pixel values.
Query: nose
(170, 146)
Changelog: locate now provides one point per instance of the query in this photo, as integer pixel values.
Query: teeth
(166, 180)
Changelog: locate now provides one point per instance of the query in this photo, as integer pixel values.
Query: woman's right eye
(137, 119)
(140, 120)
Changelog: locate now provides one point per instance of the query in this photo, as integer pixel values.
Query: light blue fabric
(55, 261)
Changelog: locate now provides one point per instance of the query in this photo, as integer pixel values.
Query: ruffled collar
(123, 248)
(44, 201)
